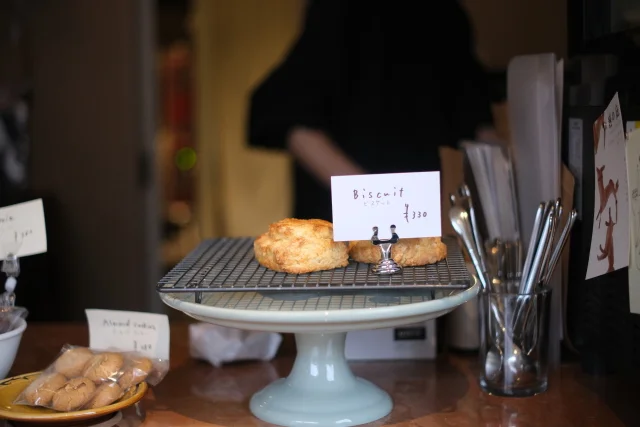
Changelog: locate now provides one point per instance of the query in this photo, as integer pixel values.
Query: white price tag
(410, 201)
(22, 229)
(146, 333)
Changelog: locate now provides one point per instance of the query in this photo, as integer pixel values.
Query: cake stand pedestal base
(321, 390)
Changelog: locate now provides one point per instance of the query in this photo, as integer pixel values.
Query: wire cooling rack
(229, 265)
(317, 300)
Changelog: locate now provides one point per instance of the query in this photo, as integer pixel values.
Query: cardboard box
(415, 342)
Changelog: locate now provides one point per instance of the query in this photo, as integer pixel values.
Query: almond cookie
(407, 252)
(103, 367)
(105, 395)
(136, 370)
(71, 363)
(75, 394)
(41, 390)
(299, 246)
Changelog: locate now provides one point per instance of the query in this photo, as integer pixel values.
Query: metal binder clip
(386, 265)
(11, 266)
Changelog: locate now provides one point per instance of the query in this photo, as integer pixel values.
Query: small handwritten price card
(410, 201)
(146, 333)
(22, 229)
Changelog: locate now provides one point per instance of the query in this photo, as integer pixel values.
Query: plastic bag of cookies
(82, 378)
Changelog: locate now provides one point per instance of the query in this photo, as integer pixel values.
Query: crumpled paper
(218, 344)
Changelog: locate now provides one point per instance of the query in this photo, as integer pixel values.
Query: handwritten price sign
(22, 229)
(146, 333)
(410, 201)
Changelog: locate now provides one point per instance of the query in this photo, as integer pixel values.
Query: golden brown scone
(103, 367)
(71, 363)
(136, 370)
(105, 395)
(300, 246)
(41, 390)
(75, 394)
(407, 252)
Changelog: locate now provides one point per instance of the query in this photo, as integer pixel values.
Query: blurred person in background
(371, 87)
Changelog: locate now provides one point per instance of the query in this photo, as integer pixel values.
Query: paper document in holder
(410, 201)
(534, 93)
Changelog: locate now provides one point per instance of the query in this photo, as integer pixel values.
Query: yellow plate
(11, 388)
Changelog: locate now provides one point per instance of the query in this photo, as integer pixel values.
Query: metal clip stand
(386, 265)
(11, 267)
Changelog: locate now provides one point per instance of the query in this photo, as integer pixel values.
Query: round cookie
(41, 390)
(71, 363)
(407, 252)
(103, 367)
(75, 394)
(137, 369)
(105, 395)
(300, 246)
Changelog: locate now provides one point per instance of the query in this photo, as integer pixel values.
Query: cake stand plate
(321, 390)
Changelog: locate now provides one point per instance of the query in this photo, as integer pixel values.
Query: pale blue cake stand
(321, 390)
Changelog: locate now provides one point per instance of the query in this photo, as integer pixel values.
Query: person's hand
(321, 156)
(489, 134)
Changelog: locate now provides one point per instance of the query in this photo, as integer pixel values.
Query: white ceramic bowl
(9, 343)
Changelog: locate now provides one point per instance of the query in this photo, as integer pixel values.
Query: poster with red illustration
(610, 239)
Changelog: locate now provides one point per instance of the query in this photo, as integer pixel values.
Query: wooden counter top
(426, 394)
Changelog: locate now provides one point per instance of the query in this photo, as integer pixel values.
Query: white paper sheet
(22, 229)
(633, 172)
(535, 102)
(146, 333)
(410, 201)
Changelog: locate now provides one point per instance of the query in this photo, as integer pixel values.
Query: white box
(416, 341)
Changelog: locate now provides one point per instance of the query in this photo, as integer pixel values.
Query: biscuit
(105, 395)
(75, 394)
(136, 370)
(72, 362)
(299, 246)
(103, 367)
(41, 390)
(406, 253)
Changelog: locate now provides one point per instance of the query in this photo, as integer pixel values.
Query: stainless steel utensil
(547, 247)
(459, 219)
(520, 369)
(506, 358)
(559, 247)
(500, 258)
(522, 304)
(529, 281)
(533, 242)
(518, 258)
(460, 222)
(514, 196)
(465, 192)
